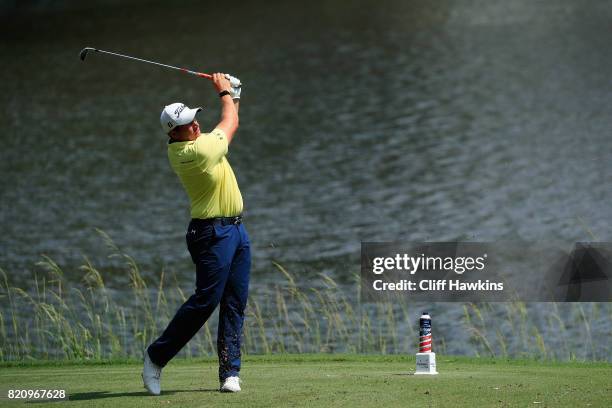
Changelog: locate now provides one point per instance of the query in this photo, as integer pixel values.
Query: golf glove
(235, 92)
(236, 86)
(234, 82)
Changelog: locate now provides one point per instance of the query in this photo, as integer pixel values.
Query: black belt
(219, 220)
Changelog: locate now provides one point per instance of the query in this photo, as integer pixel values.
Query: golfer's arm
(229, 117)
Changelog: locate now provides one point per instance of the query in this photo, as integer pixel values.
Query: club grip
(201, 74)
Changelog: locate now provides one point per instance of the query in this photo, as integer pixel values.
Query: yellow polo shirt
(206, 175)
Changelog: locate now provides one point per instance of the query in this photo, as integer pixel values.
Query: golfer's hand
(221, 83)
(236, 86)
(234, 82)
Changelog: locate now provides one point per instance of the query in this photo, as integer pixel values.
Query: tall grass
(57, 319)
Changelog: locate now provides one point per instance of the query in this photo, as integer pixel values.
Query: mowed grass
(324, 381)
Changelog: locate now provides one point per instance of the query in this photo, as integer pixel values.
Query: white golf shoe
(231, 384)
(151, 374)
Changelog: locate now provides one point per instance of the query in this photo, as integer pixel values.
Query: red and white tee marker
(425, 358)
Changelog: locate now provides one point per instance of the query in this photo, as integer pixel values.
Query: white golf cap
(176, 114)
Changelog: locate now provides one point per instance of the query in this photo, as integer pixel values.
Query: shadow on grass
(87, 396)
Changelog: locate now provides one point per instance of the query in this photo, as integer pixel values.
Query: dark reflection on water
(468, 120)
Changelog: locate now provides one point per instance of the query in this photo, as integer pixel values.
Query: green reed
(493, 333)
(57, 319)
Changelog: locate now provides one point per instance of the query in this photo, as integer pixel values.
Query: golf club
(84, 51)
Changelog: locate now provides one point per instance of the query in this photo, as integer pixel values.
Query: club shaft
(200, 74)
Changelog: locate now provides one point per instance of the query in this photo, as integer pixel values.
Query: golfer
(216, 238)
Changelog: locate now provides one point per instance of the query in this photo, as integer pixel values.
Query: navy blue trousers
(222, 256)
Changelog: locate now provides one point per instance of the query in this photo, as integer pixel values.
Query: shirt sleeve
(211, 147)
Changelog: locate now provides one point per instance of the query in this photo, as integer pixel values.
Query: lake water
(403, 120)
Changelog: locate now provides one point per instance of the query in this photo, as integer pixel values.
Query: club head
(84, 52)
